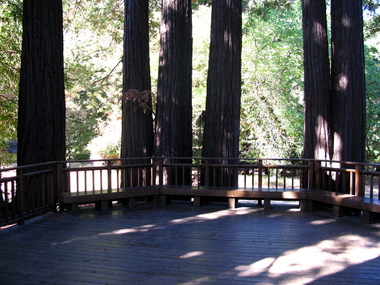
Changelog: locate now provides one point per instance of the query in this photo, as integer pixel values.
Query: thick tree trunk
(317, 125)
(222, 118)
(348, 82)
(137, 122)
(41, 114)
(173, 137)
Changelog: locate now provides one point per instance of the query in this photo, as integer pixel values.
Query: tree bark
(317, 96)
(173, 136)
(222, 116)
(137, 122)
(348, 80)
(41, 114)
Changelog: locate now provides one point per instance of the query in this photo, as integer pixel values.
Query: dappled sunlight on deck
(309, 263)
(215, 215)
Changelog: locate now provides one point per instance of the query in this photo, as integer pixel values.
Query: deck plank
(181, 244)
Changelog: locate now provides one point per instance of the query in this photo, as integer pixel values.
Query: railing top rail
(50, 163)
(192, 159)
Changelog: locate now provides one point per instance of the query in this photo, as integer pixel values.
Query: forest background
(272, 76)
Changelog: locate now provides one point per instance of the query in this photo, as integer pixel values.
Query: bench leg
(339, 211)
(73, 209)
(303, 205)
(313, 206)
(231, 203)
(160, 200)
(266, 205)
(197, 201)
(129, 202)
(102, 206)
(369, 217)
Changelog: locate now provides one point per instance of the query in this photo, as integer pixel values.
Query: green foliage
(201, 44)
(10, 53)
(372, 18)
(272, 72)
(110, 151)
(86, 114)
(93, 71)
(372, 57)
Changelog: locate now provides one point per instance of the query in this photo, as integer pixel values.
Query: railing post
(57, 185)
(260, 182)
(152, 172)
(63, 182)
(358, 181)
(207, 172)
(20, 194)
(317, 178)
(310, 182)
(109, 176)
(160, 172)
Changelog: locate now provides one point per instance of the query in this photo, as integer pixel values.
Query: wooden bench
(103, 199)
(343, 204)
(200, 194)
(310, 200)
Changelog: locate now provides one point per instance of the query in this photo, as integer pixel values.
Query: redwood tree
(348, 82)
(173, 136)
(222, 116)
(137, 122)
(41, 114)
(317, 96)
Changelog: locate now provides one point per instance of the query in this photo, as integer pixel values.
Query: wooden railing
(32, 190)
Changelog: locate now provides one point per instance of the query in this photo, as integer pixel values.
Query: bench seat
(310, 199)
(344, 203)
(233, 194)
(103, 199)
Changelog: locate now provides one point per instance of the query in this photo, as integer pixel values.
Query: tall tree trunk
(137, 121)
(348, 82)
(317, 125)
(222, 117)
(173, 136)
(41, 114)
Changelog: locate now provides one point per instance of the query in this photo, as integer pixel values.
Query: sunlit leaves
(93, 52)
(10, 51)
(272, 110)
(373, 104)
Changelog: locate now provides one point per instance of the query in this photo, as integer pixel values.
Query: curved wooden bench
(310, 199)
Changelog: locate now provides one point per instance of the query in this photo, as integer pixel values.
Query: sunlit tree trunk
(222, 117)
(41, 114)
(317, 96)
(348, 82)
(173, 136)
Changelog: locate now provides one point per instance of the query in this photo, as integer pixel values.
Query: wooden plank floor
(179, 244)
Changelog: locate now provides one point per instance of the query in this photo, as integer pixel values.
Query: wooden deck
(181, 244)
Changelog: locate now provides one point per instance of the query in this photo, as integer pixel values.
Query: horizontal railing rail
(27, 191)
